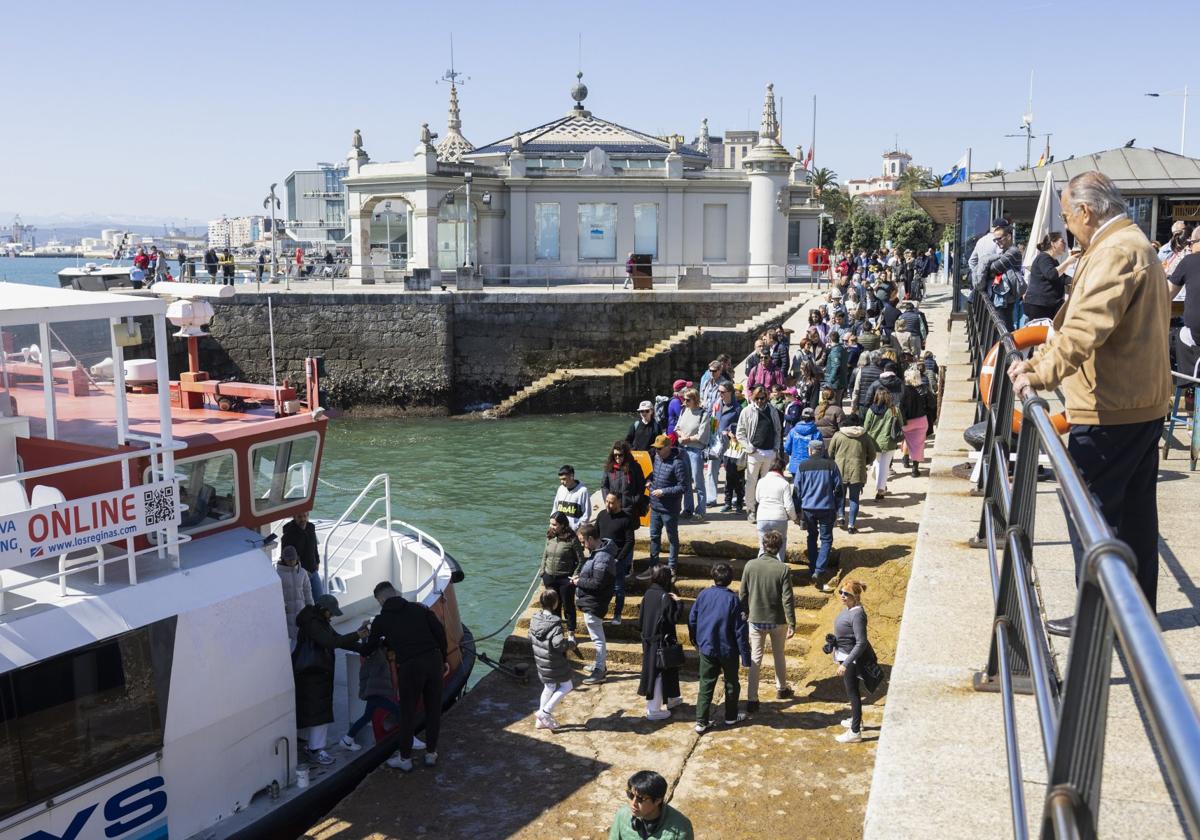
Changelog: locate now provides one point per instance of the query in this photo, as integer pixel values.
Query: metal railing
(1110, 607)
(385, 498)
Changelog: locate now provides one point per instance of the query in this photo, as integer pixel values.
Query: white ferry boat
(146, 687)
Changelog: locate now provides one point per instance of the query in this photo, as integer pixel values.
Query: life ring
(1024, 338)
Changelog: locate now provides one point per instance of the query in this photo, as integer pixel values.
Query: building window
(208, 486)
(282, 472)
(452, 233)
(597, 231)
(714, 231)
(645, 229)
(81, 714)
(546, 224)
(1139, 212)
(793, 238)
(334, 212)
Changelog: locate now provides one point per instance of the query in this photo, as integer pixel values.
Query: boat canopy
(22, 303)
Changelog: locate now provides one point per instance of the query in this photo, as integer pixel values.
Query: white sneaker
(350, 744)
(615, 622)
(430, 759)
(847, 723)
(418, 744)
(404, 765)
(849, 737)
(541, 720)
(674, 701)
(661, 714)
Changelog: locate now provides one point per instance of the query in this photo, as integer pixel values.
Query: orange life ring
(1024, 338)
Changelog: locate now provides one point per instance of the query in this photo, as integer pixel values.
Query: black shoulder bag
(669, 654)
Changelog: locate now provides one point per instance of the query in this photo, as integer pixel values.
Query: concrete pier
(780, 774)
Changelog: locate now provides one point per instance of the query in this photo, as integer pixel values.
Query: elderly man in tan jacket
(1109, 353)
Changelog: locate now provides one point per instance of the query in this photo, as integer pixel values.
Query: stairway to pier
(612, 388)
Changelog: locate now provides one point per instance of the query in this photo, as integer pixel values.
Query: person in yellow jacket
(1109, 353)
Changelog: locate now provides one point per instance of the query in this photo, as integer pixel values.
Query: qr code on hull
(160, 505)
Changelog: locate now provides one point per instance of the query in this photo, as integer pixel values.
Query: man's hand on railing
(1018, 374)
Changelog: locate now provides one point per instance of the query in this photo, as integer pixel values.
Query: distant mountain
(69, 227)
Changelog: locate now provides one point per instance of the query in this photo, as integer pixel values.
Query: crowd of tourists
(795, 441)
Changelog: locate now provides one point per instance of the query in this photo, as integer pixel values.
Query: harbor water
(483, 488)
(39, 271)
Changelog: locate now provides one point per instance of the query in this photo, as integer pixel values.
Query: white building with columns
(572, 198)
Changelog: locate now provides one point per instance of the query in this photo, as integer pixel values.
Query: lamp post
(467, 178)
(1183, 126)
(387, 221)
(272, 203)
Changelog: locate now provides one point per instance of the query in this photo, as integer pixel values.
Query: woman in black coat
(658, 616)
(624, 479)
(313, 663)
(1047, 287)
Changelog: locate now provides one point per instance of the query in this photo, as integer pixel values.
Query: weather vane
(453, 76)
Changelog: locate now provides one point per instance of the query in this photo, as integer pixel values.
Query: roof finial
(453, 145)
(453, 121)
(702, 143)
(770, 125)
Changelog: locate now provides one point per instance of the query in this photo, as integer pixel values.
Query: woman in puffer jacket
(297, 591)
(550, 656)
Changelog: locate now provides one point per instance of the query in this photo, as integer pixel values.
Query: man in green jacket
(770, 606)
(648, 816)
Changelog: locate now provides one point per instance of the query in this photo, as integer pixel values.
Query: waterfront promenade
(941, 769)
(781, 774)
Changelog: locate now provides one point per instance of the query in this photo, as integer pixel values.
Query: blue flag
(958, 173)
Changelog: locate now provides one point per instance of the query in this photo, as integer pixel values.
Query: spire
(770, 125)
(702, 143)
(453, 146)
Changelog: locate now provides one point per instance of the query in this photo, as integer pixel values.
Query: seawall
(442, 351)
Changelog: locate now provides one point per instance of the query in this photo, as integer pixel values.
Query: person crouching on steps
(717, 627)
(550, 655)
(593, 591)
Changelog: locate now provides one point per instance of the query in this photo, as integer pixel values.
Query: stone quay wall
(438, 351)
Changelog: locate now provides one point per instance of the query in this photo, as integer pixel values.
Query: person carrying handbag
(854, 656)
(662, 655)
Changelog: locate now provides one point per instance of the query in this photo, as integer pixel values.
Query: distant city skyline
(199, 117)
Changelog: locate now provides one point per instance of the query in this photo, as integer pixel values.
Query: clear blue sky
(186, 109)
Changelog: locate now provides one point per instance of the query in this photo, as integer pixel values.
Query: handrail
(1110, 607)
(422, 537)
(387, 503)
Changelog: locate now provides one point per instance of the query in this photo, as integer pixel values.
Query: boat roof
(23, 303)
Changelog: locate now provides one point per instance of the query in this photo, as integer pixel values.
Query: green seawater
(482, 488)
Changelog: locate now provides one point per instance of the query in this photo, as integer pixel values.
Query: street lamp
(1183, 127)
(387, 220)
(272, 203)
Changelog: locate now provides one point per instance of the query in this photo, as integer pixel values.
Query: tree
(837, 204)
(992, 173)
(914, 178)
(822, 179)
(909, 228)
(861, 230)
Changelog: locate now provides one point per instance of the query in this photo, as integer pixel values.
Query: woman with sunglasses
(850, 650)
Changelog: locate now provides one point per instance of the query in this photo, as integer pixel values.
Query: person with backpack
(693, 429)
(885, 424)
(594, 584)
(818, 485)
(828, 415)
(852, 449)
(837, 372)
(644, 429)
(549, 644)
(1004, 277)
(918, 405)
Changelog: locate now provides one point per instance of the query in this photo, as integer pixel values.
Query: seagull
(1129, 145)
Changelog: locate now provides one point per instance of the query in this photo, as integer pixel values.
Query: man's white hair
(1097, 192)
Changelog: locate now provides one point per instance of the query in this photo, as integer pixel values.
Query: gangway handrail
(422, 538)
(1110, 606)
(382, 478)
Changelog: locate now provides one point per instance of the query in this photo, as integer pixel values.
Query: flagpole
(812, 147)
(968, 164)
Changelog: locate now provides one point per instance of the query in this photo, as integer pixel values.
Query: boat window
(282, 472)
(79, 715)
(208, 486)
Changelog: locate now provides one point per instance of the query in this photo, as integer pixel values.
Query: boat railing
(1110, 607)
(23, 499)
(348, 529)
(423, 539)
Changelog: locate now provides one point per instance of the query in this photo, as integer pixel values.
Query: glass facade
(1139, 212)
(546, 226)
(452, 234)
(974, 221)
(597, 231)
(282, 472)
(645, 229)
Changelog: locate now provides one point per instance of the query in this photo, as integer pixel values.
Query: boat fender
(1024, 338)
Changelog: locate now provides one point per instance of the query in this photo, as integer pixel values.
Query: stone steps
(630, 367)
